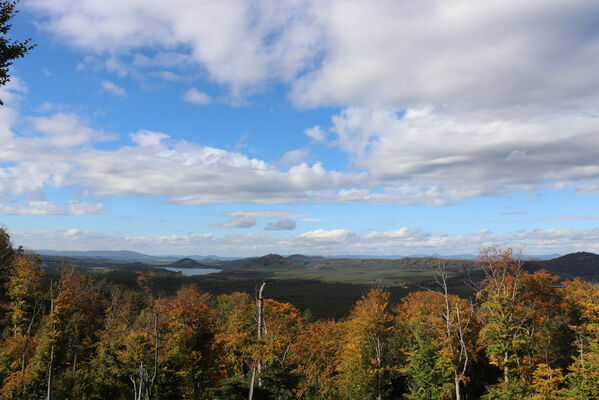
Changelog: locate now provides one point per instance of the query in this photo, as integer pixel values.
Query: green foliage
(514, 390)
(428, 372)
(9, 49)
(365, 369)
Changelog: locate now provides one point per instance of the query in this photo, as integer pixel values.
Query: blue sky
(344, 127)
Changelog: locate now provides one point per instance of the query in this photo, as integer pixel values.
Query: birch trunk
(51, 362)
(258, 366)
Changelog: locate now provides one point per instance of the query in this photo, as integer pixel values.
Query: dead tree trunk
(258, 366)
(454, 330)
(251, 395)
(50, 366)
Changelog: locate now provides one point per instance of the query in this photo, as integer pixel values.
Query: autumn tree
(191, 325)
(26, 299)
(6, 258)
(233, 344)
(364, 367)
(315, 355)
(282, 326)
(503, 312)
(109, 370)
(459, 333)
(68, 336)
(130, 344)
(436, 345)
(550, 339)
(582, 299)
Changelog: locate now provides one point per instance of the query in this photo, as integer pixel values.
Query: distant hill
(121, 255)
(211, 257)
(301, 259)
(269, 260)
(463, 256)
(582, 264)
(187, 263)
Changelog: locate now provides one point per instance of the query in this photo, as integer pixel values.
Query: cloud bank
(441, 100)
(402, 241)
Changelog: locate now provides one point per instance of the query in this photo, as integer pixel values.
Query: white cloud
(498, 95)
(293, 157)
(63, 156)
(112, 88)
(326, 237)
(145, 138)
(67, 130)
(396, 53)
(463, 157)
(240, 221)
(267, 214)
(247, 219)
(194, 96)
(451, 157)
(486, 54)
(238, 43)
(283, 224)
(42, 207)
(402, 241)
(316, 133)
(13, 91)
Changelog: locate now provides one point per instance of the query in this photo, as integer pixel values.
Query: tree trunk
(506, 368)
(258, 366)
(251, 395)
(260, 324)
(456, 380)
(50, 366)
(196, 390)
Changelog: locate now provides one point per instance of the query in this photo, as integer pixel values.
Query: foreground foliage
(524, 337)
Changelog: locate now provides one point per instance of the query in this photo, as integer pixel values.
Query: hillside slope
(582, 264)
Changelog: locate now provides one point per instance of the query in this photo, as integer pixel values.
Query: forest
(522, 336)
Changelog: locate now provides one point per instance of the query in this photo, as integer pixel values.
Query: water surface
(192, 271)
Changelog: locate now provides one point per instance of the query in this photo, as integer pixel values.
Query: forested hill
(582, 264)
(387, 271)
(188, 263)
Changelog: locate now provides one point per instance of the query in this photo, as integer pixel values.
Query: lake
(192, 271)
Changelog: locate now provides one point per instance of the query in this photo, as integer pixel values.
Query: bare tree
(258, 365)
(51, 361)
(456, 327)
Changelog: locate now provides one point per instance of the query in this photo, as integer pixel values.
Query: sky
(241, 128)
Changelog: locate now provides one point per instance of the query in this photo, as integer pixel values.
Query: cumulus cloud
(316, 133)
(441, 100)
(351, 52)
(58, 152)
(491, 54)
(459, 156)
(240, 221)
(194, 96)
(13, 91)
(238, 43)
(112, 88)
(67, 130)
(463, 158)
(43, 207)
(283, 224)
(293, 157)
(247, 219)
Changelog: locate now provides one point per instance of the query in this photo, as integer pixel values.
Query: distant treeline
(524, 336)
